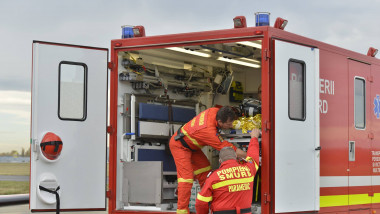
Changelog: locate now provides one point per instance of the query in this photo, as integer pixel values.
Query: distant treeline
(14, 153)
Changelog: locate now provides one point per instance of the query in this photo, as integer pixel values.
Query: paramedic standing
(186, 144)
(229, 189)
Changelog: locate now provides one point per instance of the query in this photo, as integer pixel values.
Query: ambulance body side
(348, 107)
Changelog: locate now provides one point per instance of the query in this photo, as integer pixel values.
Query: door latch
(351, 152)
(266, 198)
(34, 148)
(34, 145)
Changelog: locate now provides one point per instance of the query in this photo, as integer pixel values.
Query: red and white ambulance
(320, 111)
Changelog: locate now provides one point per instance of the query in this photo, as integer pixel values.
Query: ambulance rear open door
(69, 101)
(296, 153)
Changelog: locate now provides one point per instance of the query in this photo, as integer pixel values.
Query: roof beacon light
(126, 31)
(280, 23)
(139, 31)
(372, 52)
(240, 22)
(262, 18)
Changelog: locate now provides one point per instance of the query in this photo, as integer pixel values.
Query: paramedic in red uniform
(186, 145)
(229, 189)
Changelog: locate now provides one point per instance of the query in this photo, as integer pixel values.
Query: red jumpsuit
(189, 159)
(230, 188)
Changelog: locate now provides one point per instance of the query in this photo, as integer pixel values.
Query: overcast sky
(350, 24)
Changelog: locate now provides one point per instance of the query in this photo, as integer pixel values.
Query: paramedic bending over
(186, 145)
(229, 189)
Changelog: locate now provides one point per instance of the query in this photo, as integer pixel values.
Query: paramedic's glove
(255, 133)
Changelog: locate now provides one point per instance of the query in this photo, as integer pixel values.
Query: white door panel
(296, 160)
(80, 170)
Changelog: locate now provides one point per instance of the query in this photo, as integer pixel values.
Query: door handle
(318, 148)
(351, 153)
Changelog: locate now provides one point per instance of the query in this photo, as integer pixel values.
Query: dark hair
(225, 114)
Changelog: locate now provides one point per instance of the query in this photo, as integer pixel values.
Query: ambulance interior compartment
(161, 89)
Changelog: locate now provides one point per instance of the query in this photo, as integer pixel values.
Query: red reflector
(258, 32)
(117, 44)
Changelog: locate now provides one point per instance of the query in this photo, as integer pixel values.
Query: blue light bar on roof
(127, 31)
(262, 18)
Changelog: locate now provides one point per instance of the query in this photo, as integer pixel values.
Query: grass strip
(14, 187)
(14, 168)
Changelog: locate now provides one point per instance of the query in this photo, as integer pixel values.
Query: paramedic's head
(259, 92)
(227, 153)
(225, 117)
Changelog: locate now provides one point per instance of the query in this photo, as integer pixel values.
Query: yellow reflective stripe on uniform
(192, 140)
(233, 181)
(202, 119)
(192, 123)
(203, 198)
(182, 211)
(185, 180)
(249, 159)
(199, 171)
(256, 166)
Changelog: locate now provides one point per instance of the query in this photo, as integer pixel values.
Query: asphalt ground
(14, 178)
(24, 209)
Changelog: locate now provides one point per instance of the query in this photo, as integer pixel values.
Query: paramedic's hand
(255, 133)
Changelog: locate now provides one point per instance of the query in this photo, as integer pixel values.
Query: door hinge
(34, 147)
(267, 54)
(371, 136)
(266, 198)
(110, 65)
(370, 78)
(267, 126)
(110, 129)
(108, 194)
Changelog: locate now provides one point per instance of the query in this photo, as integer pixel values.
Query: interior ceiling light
(251, 44)
(250, 60)
(238, 62)
(372, 52)
(189, 52)
(280, 23)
